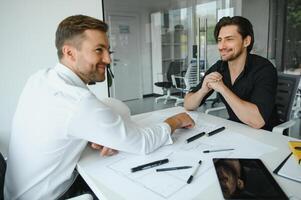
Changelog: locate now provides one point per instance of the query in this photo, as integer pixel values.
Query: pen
(217, 150)
(195, 137)
(216, 131)
(149, 165)
(194, 172)
(173, 168)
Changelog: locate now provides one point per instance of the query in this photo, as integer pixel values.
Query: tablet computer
(246, 179)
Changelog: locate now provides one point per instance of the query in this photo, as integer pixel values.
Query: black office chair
(174, 68)
(286, 93)
(2, 175)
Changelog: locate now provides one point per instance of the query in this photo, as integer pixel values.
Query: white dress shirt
(56, 115)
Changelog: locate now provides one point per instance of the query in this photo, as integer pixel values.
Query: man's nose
(106, 57)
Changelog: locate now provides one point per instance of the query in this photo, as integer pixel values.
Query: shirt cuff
(167, 130)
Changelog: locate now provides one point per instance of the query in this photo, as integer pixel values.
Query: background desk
(109, 177)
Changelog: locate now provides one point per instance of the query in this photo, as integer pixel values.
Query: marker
(150, 165)
(195, 137)
(217, 150)
(216, 131)
(194, 172)
(173, 168)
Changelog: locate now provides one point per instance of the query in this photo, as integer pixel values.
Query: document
(290, 169)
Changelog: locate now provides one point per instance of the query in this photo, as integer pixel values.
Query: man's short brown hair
(72, 28)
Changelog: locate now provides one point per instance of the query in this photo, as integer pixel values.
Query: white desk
(110, 178)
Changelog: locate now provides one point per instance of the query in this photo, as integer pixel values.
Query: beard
(232, 55)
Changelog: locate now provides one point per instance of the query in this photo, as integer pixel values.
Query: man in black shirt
(246, 83)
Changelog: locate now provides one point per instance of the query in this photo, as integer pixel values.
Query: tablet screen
(246, 179)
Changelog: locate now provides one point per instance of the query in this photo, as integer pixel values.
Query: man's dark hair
(73, 27)
(245, 28)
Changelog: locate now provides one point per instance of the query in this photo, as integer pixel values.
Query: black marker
(194, 172)
(173, 168)
(216, 131)
(149, 165)
(195, 137)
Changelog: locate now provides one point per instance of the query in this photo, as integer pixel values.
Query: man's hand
(104, 151)
(181, 120)
(214, 81)
(211, 78)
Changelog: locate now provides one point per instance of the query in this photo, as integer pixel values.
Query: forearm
(193, 100)
(247, 112)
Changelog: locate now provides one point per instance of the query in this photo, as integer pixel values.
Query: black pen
(195, 137)
(216, 131)
(217, 150)
(173, 168)
(194, 172)
(149, 165)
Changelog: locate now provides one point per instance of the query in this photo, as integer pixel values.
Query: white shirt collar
(69, 76)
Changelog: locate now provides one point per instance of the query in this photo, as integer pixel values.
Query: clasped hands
(213, 81)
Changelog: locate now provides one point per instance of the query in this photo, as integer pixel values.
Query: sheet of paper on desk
(291, 169)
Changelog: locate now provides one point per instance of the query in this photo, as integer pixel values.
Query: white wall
(27, 44)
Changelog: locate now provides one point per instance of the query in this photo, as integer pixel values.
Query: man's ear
(240, 184)
(247, 41)
(69, 52)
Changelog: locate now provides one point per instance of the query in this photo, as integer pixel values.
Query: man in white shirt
(57, 115)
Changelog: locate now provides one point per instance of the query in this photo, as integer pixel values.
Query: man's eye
(99, 50)
(110, 52)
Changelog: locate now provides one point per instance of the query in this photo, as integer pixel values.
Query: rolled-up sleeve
(96, 122)
(264, 93)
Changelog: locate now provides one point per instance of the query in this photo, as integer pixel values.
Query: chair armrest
(82, 197)
(174, 82)
(215, 109)
(281, 127)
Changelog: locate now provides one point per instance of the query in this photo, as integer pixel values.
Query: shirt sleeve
(96, 122)
(264, 92)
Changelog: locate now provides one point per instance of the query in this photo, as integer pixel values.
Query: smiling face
(231, 45)
(90, 57)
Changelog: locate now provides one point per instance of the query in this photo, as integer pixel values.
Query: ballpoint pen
(194, 172)
(217, 150)
(173, 168)
(150, 165)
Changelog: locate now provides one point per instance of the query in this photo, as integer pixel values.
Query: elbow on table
(257, 124)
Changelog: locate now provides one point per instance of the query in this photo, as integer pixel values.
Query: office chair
(286, 93)
(174, 67)
(2, 175)
(186, 82)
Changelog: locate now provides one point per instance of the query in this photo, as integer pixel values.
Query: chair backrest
(286, 93)
(189, 79)
(2, 175)
(174, 68)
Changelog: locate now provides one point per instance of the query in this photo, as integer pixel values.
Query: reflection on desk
(111, 177)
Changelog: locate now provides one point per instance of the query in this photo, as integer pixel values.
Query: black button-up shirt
(257, 84)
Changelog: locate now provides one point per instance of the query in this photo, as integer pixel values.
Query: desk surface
(110, 177)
